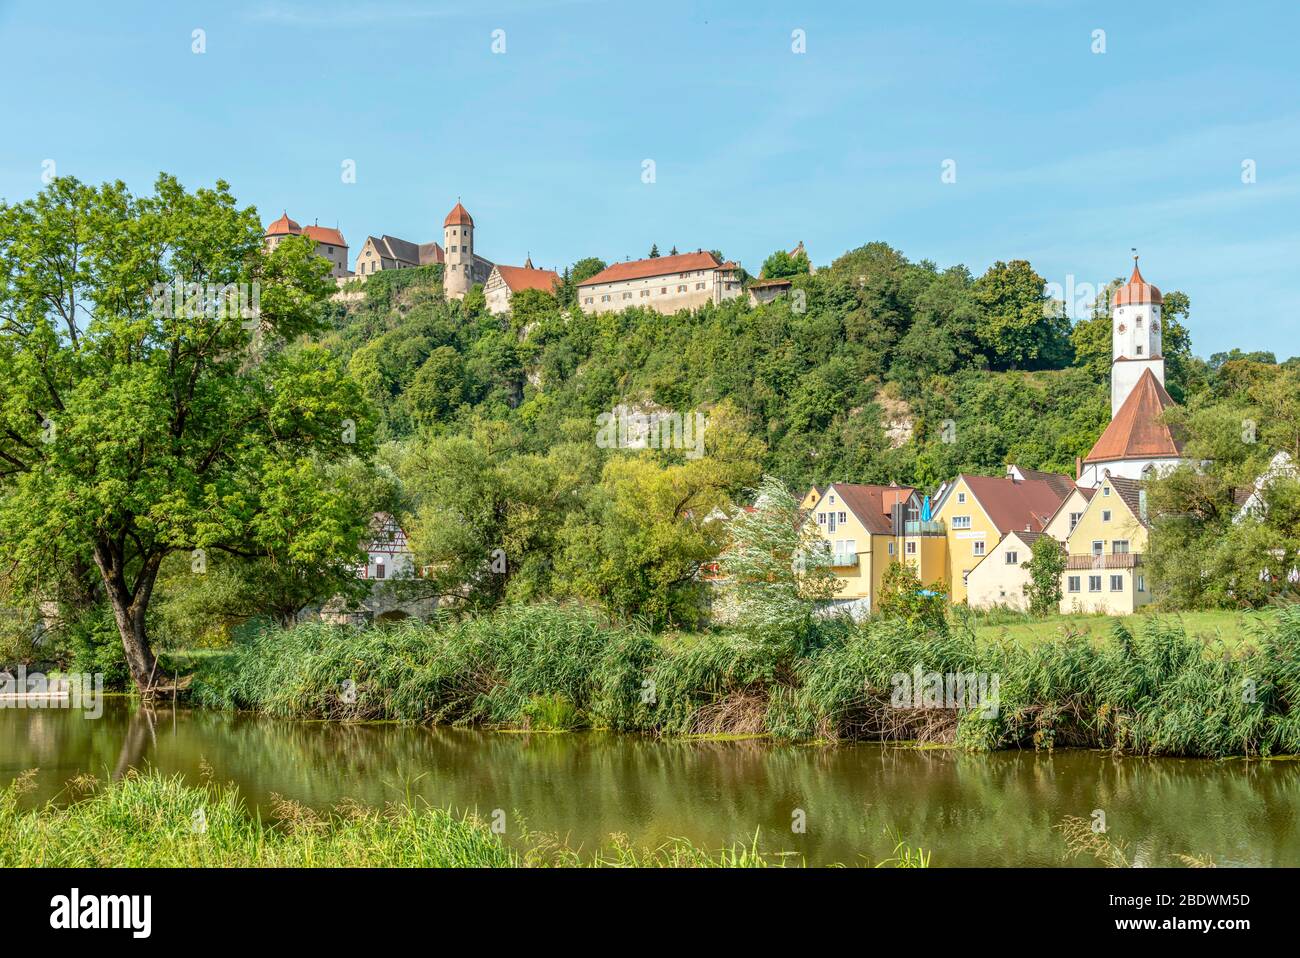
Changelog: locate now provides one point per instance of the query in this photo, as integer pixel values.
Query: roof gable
(520, 277)
(871, 505)
(1015, 504)
(655, 266)
(1138, 430)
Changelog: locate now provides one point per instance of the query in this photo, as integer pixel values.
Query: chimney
(1078, 467)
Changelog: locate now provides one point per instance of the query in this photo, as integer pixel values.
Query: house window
(961, 498)
(911, 548)
(681, 289)
(961, 522)
(1141, 583)
(891, 548)
(1072, 583)
(1074, 519)
(1105, 490)
(1094, 583)
(699, 285)
(1013, 558)
(1139, 352)
(1119, 547)
(1098, 546)
(821, 518)
(851, 547)
(379, 569)
(627, 295)
(605, 298)
(977, 547)
(844, 517)
(645, 293)
(587, 300)
(1117, 583)
(1105, 515)
(663, 291)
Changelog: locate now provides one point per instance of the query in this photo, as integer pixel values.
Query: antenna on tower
(1134, 251)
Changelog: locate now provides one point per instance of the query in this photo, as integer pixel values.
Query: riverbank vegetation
(1151, 691)
(154, 821)
(173, 475)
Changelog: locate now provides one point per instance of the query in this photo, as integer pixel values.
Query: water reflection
(966, 809)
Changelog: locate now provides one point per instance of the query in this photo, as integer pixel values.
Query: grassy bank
(1156, 690)
(159, 822)
(1231, 626)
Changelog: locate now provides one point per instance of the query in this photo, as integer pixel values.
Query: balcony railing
(928, 527)
(842, 559)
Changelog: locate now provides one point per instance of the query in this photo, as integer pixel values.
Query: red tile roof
(655, 266)
(1138, 430)
(1137, 290)
(1015, 505)
(520, 277)
(459, 216)
(872, 504)
(283, 227)
(323, 234)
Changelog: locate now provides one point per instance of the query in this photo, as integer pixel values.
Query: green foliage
(1019, 327)
(904, 599)
(91, 645)
(148, 821)
(776, 571)
(781, 264)
(1158, 692)
(1045, 564)
(131, 429)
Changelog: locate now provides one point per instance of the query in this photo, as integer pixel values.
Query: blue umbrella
(925, 509)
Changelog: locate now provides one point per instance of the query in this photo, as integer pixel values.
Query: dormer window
(1139, 350)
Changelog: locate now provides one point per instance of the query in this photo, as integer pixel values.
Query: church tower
(1135, 337)
(458, 252)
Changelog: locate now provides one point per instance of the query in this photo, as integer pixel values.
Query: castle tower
(458, 252)
(1135, 337)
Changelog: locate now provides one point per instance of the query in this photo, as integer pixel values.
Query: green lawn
(1233, 626)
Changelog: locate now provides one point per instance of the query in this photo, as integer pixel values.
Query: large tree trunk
(129, 608)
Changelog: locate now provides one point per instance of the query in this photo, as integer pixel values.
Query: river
(854, 802)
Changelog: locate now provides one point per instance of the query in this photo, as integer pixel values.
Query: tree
(654, 250)
(439, 387)
(1045, 565)
(777, 568)
(781, 264)
(903, 598)
(134, 425)
(1019, 326)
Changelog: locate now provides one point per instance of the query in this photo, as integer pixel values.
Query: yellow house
(1068, 515)
(999, 579)
(1104, 570)
(866, 527)
(810, 498)
(978, 511)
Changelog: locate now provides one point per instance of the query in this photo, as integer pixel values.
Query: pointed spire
(1137, 290)
(528, 263)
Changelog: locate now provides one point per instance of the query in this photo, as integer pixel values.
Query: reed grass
(1154, 690)
(151, 820)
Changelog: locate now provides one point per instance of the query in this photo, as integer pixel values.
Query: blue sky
(1064, 157)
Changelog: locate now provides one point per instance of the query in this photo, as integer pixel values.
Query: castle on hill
(463, 268)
